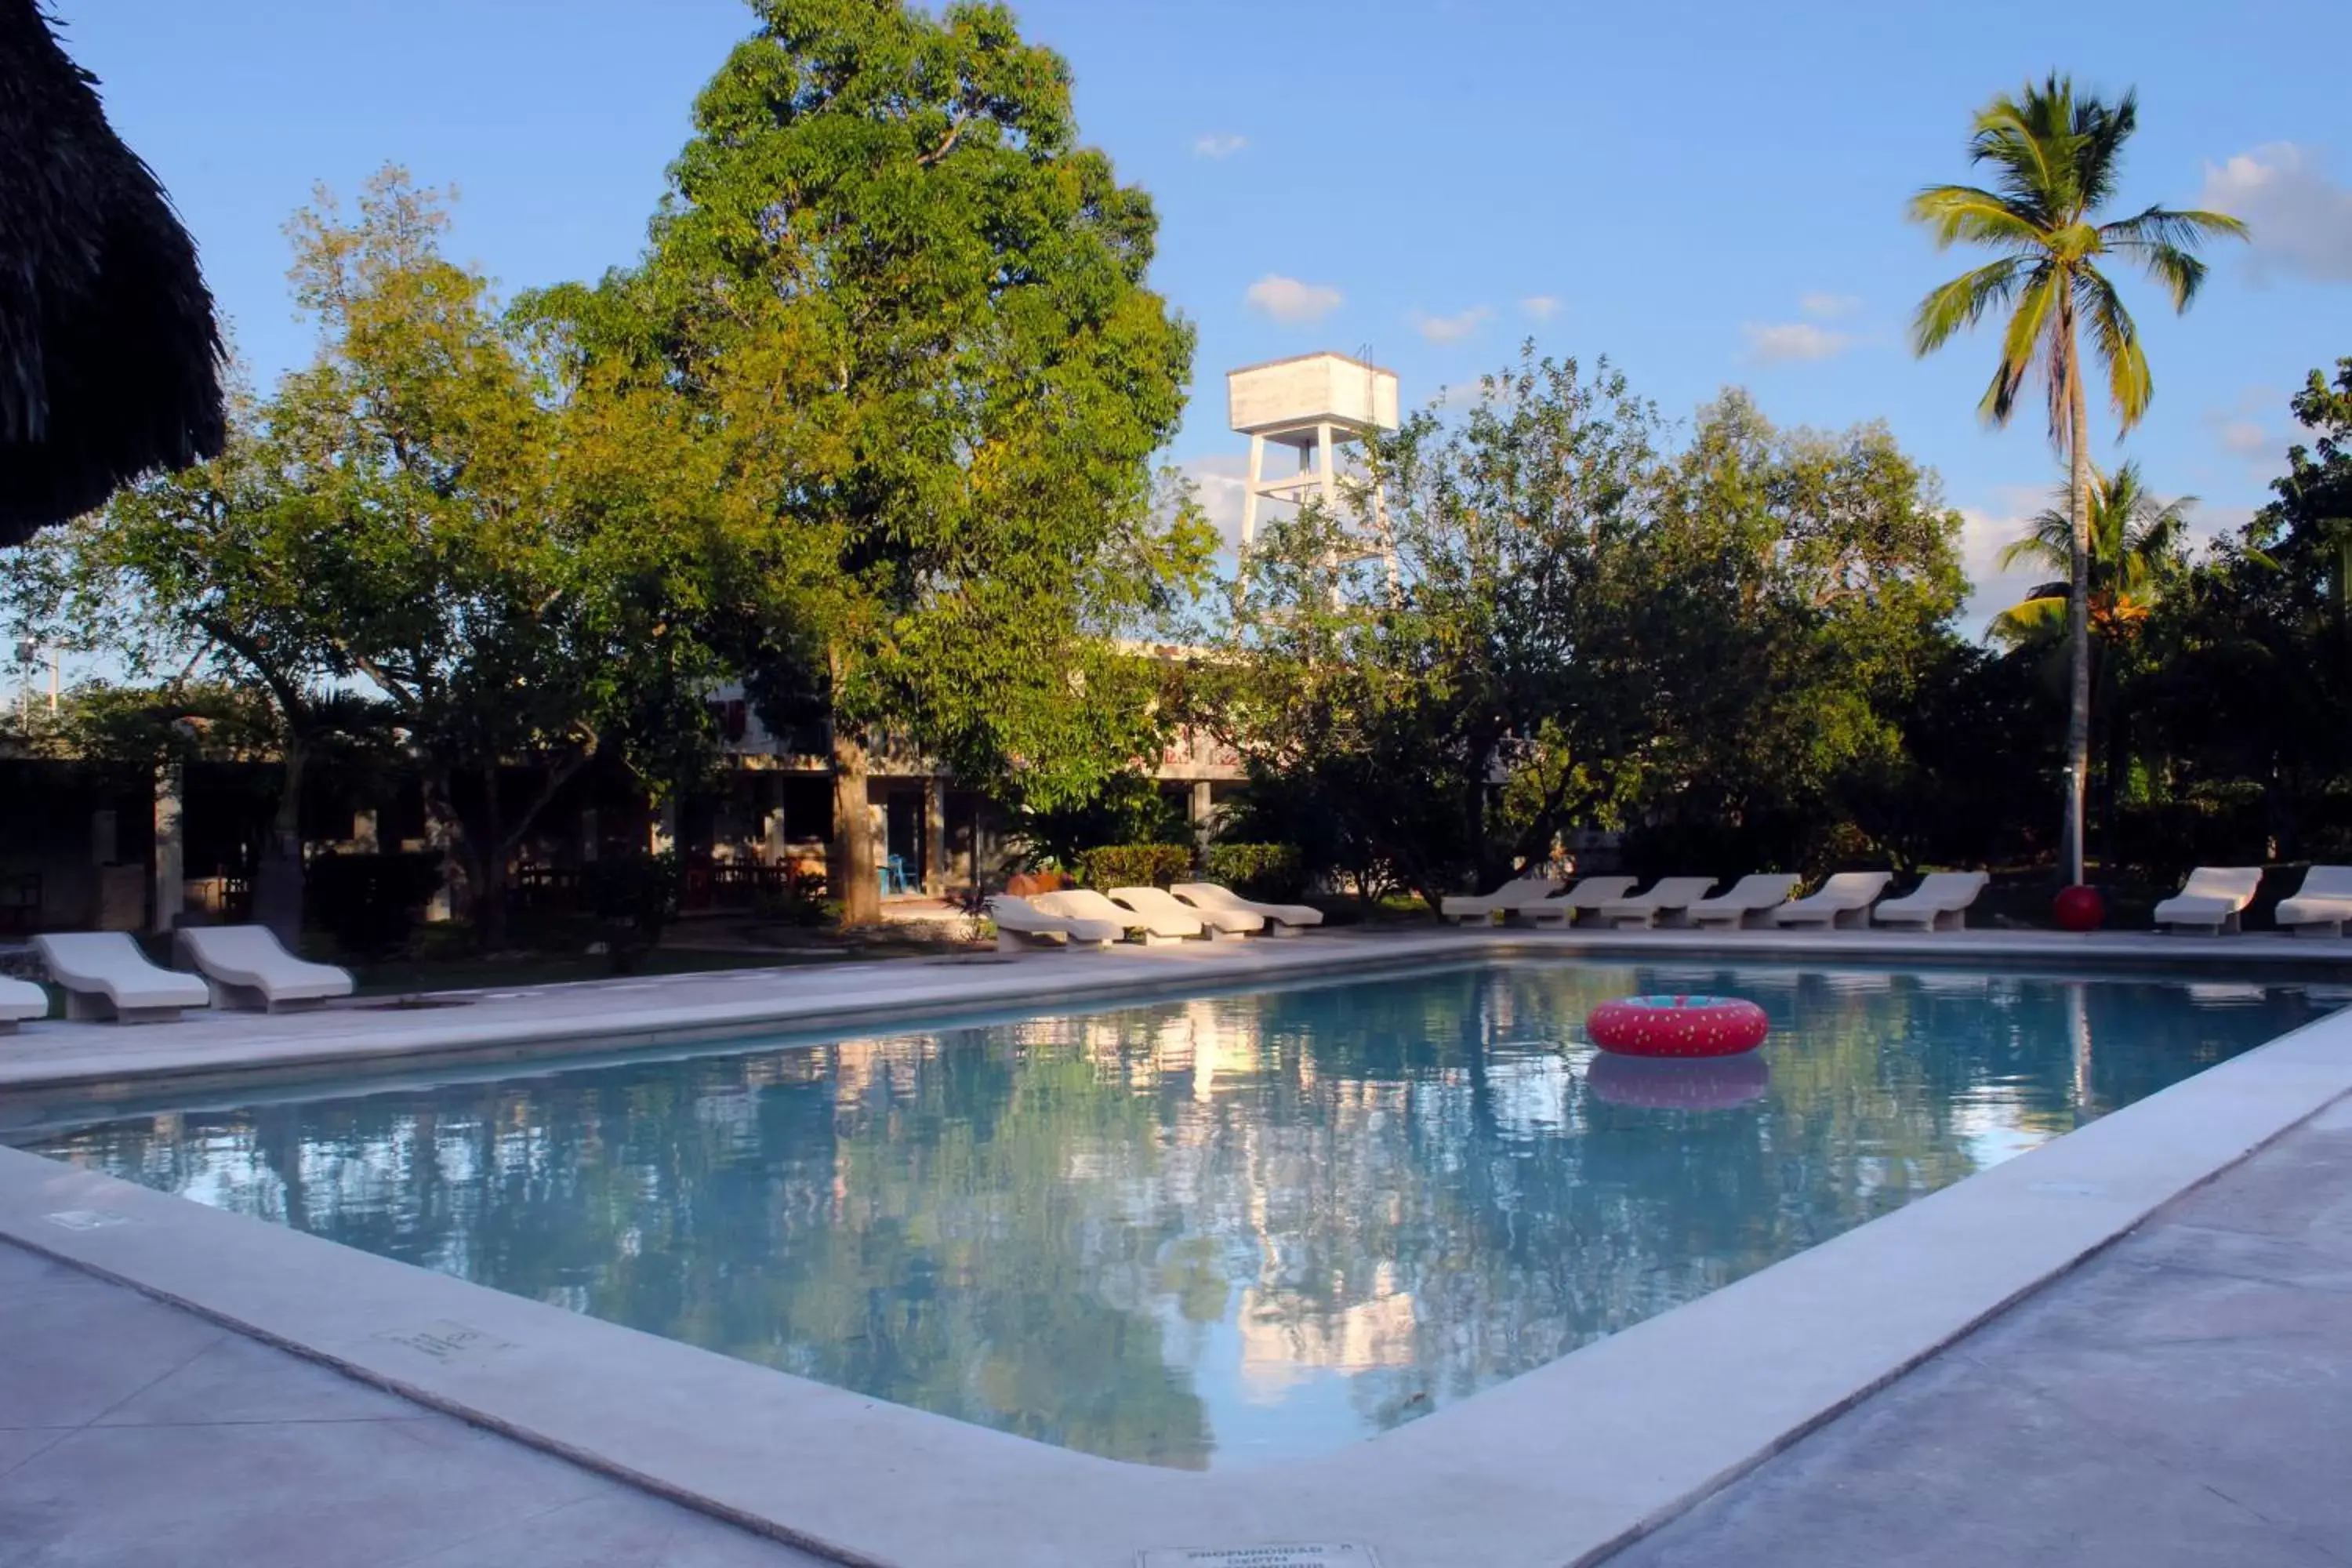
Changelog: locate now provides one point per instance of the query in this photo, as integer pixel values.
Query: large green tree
(909, 308)
(2056, 158)
(486, 552)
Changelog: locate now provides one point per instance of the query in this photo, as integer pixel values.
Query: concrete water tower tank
(1310, 402)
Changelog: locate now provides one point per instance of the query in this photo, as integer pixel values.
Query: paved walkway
(133, 1432)
(2184, 1398)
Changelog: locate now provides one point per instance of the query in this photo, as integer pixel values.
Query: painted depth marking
(449, 1342)
(88, 1219)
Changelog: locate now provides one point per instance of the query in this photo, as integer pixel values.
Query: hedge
(1135, 865)
(1257, 870)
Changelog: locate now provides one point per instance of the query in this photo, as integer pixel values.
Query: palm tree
(2055, 160)
(2136, 552)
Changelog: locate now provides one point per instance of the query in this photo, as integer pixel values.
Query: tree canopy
(908, 307)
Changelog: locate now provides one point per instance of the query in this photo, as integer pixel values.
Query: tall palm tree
(2055, 160)
(2135, 552)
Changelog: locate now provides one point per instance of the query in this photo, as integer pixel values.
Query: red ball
(2079, 908)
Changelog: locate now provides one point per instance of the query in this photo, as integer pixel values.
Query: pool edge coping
(1693, 1408)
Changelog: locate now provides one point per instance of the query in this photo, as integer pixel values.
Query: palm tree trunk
(2078, 623)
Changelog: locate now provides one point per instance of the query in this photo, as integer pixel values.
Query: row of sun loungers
(1850, 898)
(2215, 897)
(105, 976)
(2213, 900)
(1082, 918)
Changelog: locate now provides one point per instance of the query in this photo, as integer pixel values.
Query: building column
(364, 840)
(663, 837)
(592, 834)
(1249, 492)
(1203, 812)
(935, 835)
(170, 852)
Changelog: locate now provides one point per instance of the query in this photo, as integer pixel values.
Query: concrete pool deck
(1624, 1434)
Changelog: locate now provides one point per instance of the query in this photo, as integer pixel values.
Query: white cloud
(1983, 536)
(1542, 307)
(2302, 220)
(1829, 307)
(2244, 437)
(1288, 299)
(1773, 342)
(1219, 144)
(1219, 483)
(1452, 329)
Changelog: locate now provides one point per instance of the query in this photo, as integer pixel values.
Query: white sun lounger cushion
(21, 1000)
(1206, 896)
(1086, 904)
(1843, 900)
(1748, 902)
(1518, 893)
(1018, 920)
(1667, 896)
(249, 967)
(2213, 899)
(1940, 901)
(2322, 905)
(1159, 901)
(104, 975)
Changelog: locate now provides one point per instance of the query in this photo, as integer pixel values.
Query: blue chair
(893, 873)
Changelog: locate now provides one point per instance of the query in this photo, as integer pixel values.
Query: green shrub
(1258, 870)
(633, 897)
(801, 901)
(1135, 865)
(371, 904)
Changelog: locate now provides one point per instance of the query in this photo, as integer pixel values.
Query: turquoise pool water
(1207, 1232)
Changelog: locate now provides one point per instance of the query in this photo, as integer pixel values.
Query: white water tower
(1312, 404)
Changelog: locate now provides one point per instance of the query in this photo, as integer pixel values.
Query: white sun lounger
(1940, 901)
(1842, 901)
(1585, 898)
(1667, 899)
(1221, 925)
(1280, 919)
(1750, 902)
(250, 969)
(104, 975)
(1086, 904)
(1512, 897)
(1020, 924)
(2321, 905)
(2210, 900)
(21, 1001)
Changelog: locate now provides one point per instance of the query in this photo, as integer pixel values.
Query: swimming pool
(1200, 1233)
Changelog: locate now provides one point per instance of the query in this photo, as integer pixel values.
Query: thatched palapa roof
(110, 357)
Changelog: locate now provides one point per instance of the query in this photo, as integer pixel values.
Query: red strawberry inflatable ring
(1678, 1027)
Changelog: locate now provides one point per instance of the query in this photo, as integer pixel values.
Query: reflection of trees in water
(1058, 1227)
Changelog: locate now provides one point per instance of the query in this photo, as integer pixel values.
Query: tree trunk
(444, 830)
(490, 868)
(277, 875)
(852, 868)
(2078, 627)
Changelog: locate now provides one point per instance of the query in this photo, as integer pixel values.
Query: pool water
(1210, 1232)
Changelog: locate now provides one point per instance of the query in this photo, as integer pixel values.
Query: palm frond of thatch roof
(110, 357)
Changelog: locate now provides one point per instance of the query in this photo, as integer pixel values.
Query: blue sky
(1711, 194)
